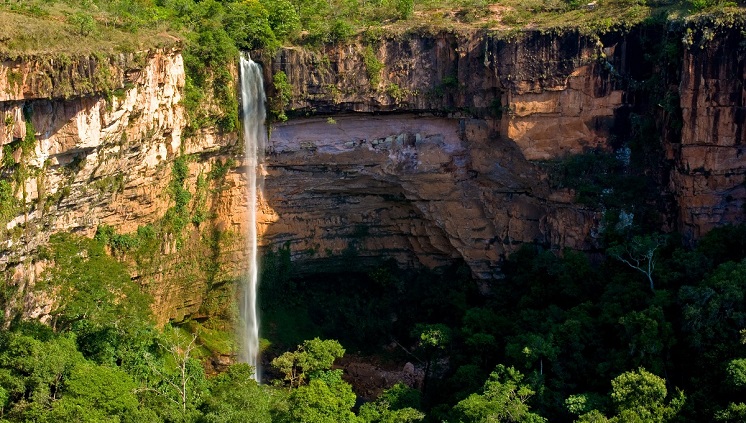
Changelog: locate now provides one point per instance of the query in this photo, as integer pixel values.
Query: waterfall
(254, 135)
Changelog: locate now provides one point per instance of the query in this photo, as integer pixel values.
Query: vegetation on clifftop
(215, 28)
(560, 337)
(212, 32)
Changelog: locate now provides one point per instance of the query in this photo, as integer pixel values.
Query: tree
(237, 398)
(326, 399)
(397, 404)
(313, 356)
(405, 8)
(533, 349)
(95, 393)
(736, 371)
(33, 371)
(734, 413)
(91, 286)
(648, 335)
(714, 311)
(247, 23)
(433, 340)
(639, 254)
(83, 22)
(504, 399)
(640, 396)
(593, 416)
(175, 382)
(283, 19)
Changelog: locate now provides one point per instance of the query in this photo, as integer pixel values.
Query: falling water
(254, 134)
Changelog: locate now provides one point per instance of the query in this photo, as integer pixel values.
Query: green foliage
(8, 202)
(83, 23)
(177, 217)
(326, 399)
(565, 324)
(734, 413)
(282, 97)
(600, 179)
(713, 311)
(641, 396)
(219, 170)
(396, 92)
(176, 381)
(33, 366)
(199, 209)
(503, 398)
(434, 337)
(119, 243)
(247, 23)
(397, 404)
(110, 184)
(283, 18)
(29, 140)
(373, 66)
(313, 356)
(736, 371)
(96, 393)
(236, 398)
(405, 8)
(91, 286)
(640, 254)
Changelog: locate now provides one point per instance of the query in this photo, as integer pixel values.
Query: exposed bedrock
(422, 189)
(709, 177)
(436, 158)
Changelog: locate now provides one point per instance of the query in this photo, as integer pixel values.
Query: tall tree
(504, 399)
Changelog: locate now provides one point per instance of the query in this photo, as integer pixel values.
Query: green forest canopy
(559, 339)
(104, 26)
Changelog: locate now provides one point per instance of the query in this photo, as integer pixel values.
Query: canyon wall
(104, 133)
(709, 173)
(427, 149)
(440, 156)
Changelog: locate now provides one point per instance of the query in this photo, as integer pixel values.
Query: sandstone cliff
(709, 175)
(435, 159)
(105, 131)
(428, 149)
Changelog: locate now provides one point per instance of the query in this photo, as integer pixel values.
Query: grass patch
(25, 34)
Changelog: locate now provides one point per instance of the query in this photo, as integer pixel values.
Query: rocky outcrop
(457, 179)
(425, 190)
(709, 177)
(556, 96)
(101, 153)
(61, 76)
(428, 149)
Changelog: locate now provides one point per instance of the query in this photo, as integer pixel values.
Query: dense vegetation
(561, 337)
(647, 330)
(213, 31)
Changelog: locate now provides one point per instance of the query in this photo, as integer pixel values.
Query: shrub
(83, 23)
(373, 66)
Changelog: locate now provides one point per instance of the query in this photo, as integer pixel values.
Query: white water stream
(254, 135)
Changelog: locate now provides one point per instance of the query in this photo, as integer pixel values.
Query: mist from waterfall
(254, 135)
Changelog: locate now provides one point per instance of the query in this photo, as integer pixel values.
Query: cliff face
(555, 96)
(105, 133)
(455, 172)
(425, 149)
(708, 179)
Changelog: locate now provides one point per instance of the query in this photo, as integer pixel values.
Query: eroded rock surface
(437, 158)
(101, 158)
(709, 178)
(425, 190)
